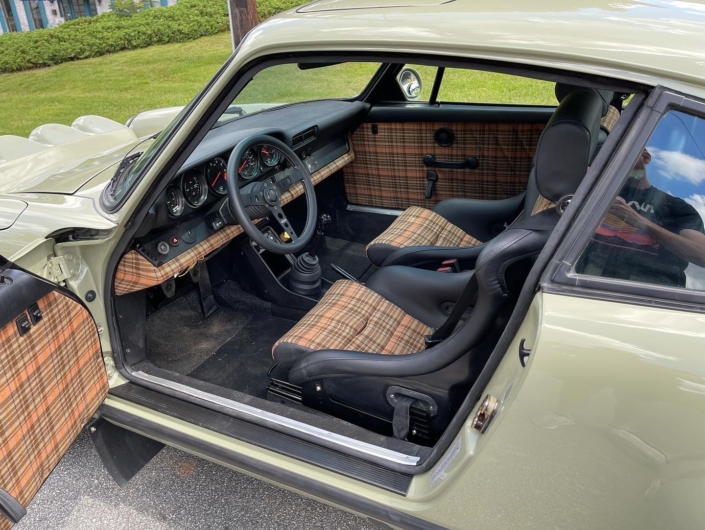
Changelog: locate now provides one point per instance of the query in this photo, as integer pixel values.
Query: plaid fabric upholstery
(326, 171)
(135, 272)
(388, 170)
(422, 227)
(352, 317)
(609, 119)
(52, 380)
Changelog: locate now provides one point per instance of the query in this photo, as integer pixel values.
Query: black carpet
(345, 254)
(243, 361)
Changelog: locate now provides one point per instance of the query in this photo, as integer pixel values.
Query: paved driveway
(175, 490)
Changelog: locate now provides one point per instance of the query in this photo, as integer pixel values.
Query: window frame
(560, 278)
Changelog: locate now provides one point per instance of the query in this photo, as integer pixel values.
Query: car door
(52, 380)
(416, 153)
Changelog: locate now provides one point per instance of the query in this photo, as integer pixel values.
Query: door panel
(52, 379)
(389, 172)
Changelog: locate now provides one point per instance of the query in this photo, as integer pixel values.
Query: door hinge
(60, 268)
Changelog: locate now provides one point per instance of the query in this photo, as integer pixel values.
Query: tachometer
(216, 175)
(269, 155)
(194, 187)
(249, 165)
(174, 201)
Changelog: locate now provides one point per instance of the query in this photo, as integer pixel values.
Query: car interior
(351, 263)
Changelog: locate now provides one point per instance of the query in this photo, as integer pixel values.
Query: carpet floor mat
(349, 256)
(243, 361)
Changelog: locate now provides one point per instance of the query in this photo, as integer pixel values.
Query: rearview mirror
(410, 82)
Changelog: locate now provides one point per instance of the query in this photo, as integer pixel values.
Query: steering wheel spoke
(280, 216)
(285, 180)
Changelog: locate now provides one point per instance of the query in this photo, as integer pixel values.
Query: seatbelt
(542, 221)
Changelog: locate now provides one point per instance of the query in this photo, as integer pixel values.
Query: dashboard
(194, 205)
(193, 188)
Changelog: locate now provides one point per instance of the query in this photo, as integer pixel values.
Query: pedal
(199, 274)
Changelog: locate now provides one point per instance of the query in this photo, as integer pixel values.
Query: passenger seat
(458, 228)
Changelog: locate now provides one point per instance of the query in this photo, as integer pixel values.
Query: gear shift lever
(323, 223)
(305, 277)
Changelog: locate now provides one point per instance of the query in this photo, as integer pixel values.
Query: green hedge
(109, 33)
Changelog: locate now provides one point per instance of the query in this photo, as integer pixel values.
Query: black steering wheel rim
(264, 197)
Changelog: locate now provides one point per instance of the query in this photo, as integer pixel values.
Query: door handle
(523, 353)
(469, 162)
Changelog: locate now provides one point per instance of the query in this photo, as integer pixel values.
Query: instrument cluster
(193, 187)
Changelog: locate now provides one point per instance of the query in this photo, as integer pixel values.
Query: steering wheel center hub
(271, 195)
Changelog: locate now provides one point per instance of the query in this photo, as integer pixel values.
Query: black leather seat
(360, 341)
(458, 228)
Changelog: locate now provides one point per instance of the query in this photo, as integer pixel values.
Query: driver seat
(362, 348)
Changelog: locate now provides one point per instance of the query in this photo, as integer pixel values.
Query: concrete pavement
(175, 490)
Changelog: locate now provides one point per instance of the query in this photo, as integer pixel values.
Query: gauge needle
(216, 179)
(265, 151)
(242, 166)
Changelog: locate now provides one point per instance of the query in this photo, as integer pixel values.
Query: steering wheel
(262, 198)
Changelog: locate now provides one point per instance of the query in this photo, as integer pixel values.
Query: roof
(651, 42)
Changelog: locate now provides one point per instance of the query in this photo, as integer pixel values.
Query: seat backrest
(565, 149)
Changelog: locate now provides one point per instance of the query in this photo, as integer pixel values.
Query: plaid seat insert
(354, 318)
(421, 227)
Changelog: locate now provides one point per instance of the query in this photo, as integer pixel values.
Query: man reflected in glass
(648, 235)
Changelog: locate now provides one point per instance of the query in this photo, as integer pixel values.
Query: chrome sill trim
(374, 209)
(331, 437)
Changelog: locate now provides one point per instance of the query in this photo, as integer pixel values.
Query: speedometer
(195, 188)
(249, 165)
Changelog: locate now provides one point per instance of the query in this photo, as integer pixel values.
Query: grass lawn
(120, 85)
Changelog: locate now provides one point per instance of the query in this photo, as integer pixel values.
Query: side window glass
(475, 86)
(653, 232)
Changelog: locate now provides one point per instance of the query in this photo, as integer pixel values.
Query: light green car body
(605, 427)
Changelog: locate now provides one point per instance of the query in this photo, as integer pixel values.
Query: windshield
(292, 83)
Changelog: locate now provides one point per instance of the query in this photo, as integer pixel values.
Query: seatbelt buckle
(450, 265)
(430, 340)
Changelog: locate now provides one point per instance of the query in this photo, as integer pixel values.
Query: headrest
(567, 144)
(563, 89)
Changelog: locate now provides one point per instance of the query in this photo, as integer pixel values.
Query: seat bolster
(481, 219)
(377, 253)
(287, 353)
(432, 256)
(431, 290)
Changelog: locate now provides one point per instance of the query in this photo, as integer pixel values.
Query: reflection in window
(654, 230)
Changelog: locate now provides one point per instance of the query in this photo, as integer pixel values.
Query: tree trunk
(243, 17)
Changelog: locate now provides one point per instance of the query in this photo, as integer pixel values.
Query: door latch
(485, 414)
(60, 268)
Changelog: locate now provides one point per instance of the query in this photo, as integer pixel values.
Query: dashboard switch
(174, 241)
(163, 248)
(188, 235)
(217, 223)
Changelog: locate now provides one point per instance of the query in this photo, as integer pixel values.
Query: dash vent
(304, 137)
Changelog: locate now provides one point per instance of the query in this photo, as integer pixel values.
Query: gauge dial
(175, 201)
(216, 175)
(249, 165)
(195, 189)
(269, 155)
